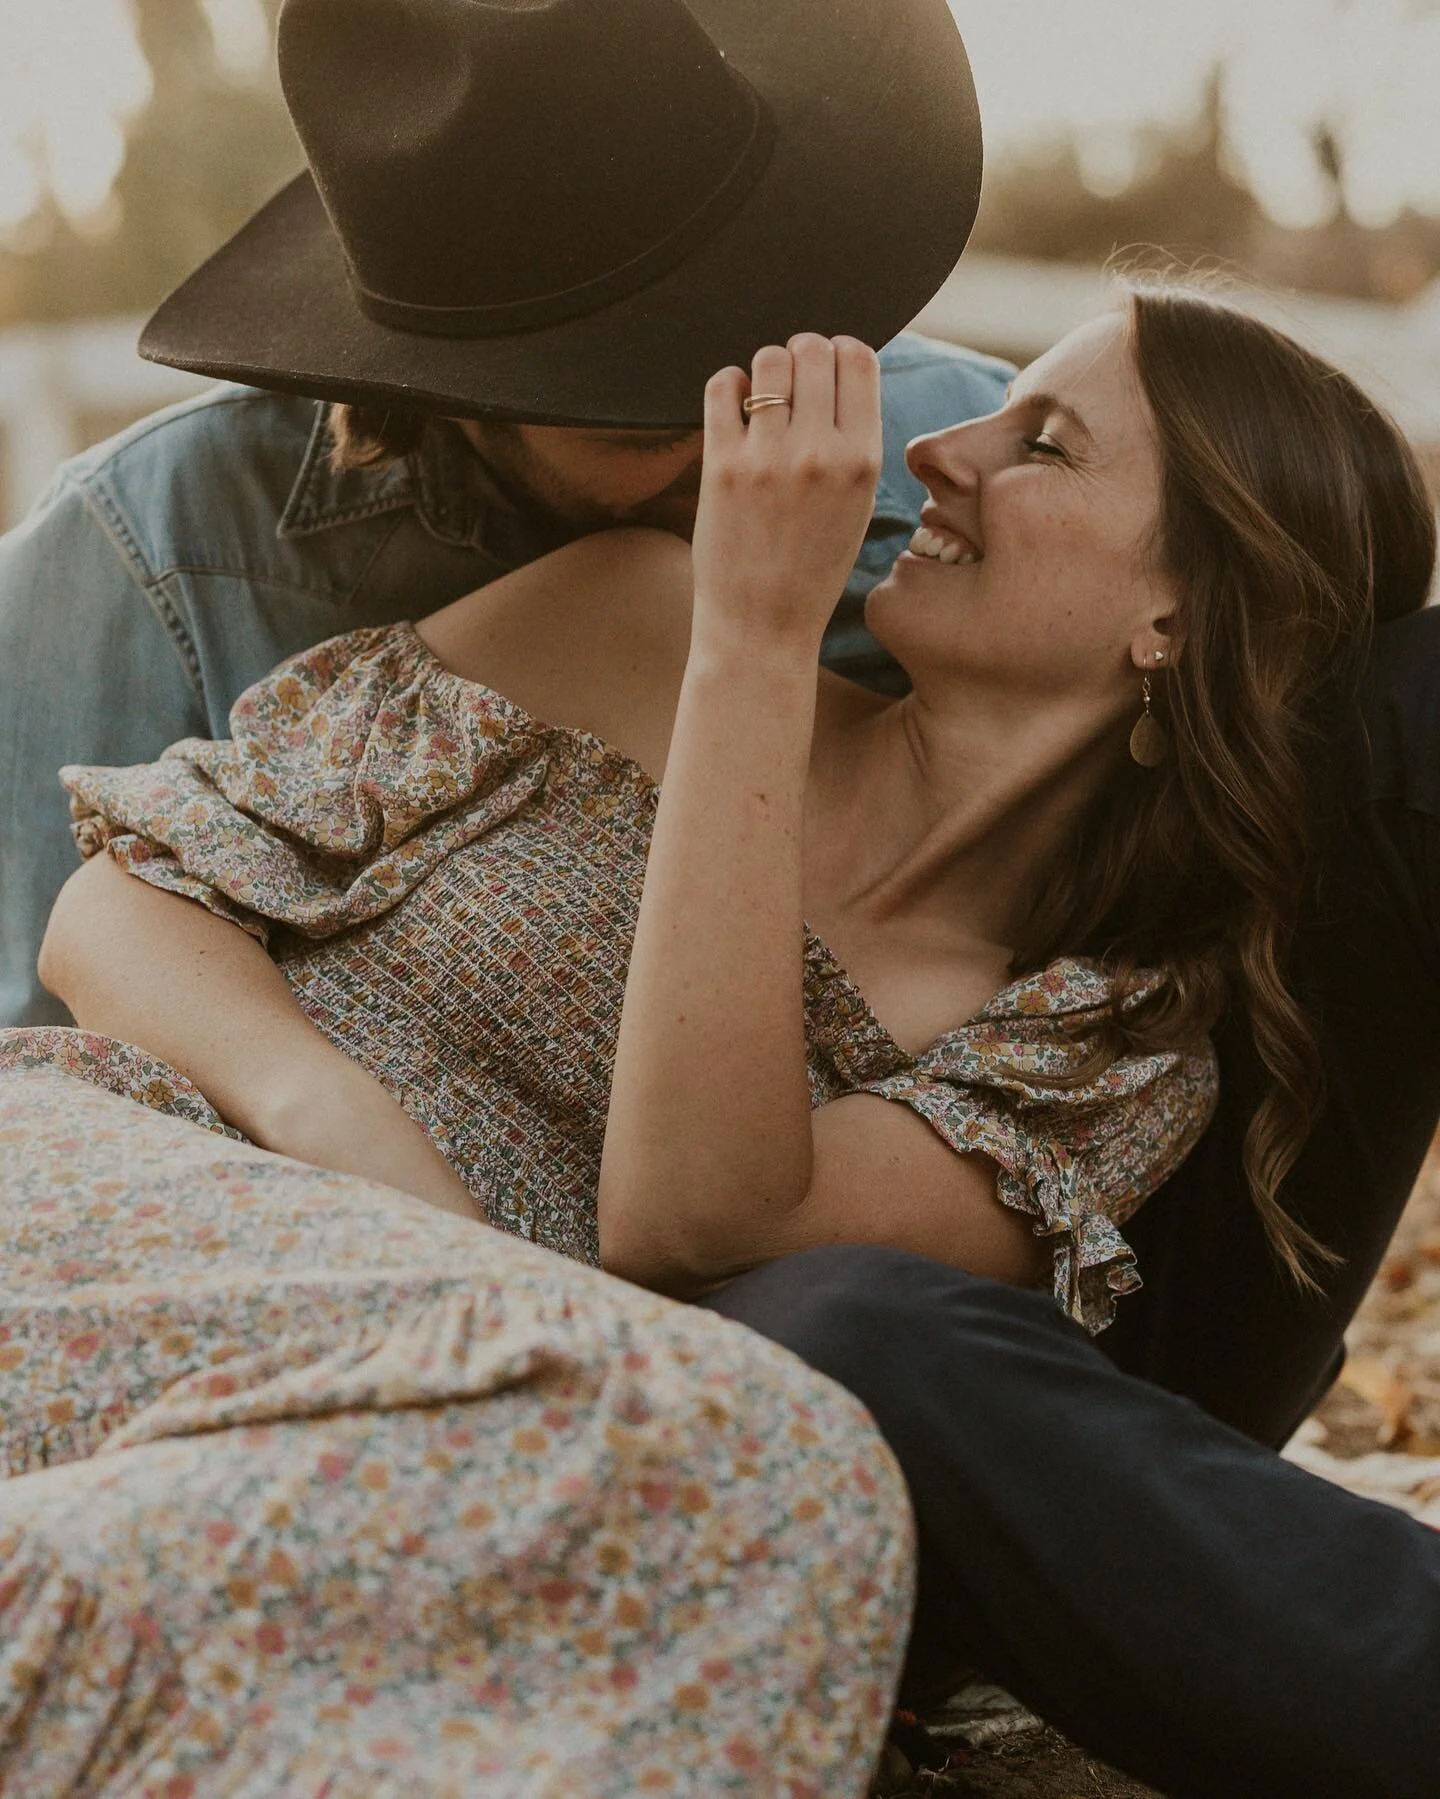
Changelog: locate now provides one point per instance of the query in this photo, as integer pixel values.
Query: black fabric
(458, 127)
(1158, 1584)
(1180, 1601)
(783, 194)
(1216, 1319)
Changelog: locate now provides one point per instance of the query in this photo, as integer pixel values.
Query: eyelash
(1039, 446)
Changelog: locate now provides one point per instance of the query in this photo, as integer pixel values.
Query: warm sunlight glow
(71, 75)
(1099, 68)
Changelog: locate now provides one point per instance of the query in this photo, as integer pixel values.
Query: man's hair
(370, 436)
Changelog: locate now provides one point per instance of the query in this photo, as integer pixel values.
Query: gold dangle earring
(1149, 745)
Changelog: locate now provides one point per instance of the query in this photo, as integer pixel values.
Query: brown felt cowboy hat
(574, 211)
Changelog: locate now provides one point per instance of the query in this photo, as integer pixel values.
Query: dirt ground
(1036, 1764)
(1377, 1432)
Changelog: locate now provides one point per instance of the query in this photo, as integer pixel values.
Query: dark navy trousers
(1167, 1591)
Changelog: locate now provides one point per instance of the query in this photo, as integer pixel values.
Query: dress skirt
(308, 1488)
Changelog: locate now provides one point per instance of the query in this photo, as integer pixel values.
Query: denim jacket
(167, 569)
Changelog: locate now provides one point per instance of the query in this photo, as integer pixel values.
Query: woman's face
(1035, 566)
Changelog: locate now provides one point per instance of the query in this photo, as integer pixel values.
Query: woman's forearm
(134, 962)
(709, 1148)
(709, 1142)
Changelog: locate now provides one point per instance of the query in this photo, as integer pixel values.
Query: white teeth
(936, 548)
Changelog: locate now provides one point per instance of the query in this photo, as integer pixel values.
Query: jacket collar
(443, 481)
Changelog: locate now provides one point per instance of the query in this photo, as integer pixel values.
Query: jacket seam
(370, 561)
(117, 528)
(972, 364)
(168, 613)
(319, 521)
(257, 577)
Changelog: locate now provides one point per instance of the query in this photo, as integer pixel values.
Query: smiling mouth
(931, 545)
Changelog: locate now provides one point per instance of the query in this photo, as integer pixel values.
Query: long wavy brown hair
(1294, 516)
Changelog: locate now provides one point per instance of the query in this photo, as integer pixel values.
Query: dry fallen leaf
(1396, 1274)
(1387, 1390)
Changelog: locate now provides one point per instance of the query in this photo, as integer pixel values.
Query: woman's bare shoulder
(593, 636)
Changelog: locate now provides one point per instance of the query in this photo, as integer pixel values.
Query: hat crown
(492, 164)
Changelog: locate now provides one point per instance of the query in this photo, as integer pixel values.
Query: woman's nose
(950, 457)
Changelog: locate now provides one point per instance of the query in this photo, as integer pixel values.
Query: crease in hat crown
(496, 167)
(624, 198)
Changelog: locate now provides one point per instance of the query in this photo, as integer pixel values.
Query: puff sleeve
(1078, 1156)
(352, 771)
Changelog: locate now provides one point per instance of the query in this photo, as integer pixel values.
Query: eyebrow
(1052, 403)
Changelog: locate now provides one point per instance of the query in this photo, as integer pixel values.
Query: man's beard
(542, 495)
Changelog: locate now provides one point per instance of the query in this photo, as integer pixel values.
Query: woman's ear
(1153, 646)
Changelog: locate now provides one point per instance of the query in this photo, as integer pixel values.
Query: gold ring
(757, 402)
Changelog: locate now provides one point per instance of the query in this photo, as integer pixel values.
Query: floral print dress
(451, 888)
(307, 1488)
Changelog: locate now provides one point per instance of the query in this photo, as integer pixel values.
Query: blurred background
(1294, 144)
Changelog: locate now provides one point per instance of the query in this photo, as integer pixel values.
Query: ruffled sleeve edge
(1093, 1265)
(152, 863)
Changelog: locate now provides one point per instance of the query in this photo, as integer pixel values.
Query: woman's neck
(953, 814)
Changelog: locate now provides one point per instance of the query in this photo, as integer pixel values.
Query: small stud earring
(1149, 745)
(1159, 655)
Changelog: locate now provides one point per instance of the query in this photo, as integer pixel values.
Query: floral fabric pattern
(311, 1489)
(451, 888)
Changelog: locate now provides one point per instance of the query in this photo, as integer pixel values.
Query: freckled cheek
(1040, 559)
(1027, 528)
(1066, 586)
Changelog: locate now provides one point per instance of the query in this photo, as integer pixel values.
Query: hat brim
(857, 220)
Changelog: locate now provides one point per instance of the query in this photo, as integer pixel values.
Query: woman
(1046, 923)
(457, 886)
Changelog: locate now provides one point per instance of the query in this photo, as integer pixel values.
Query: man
(621, 210)
(539, 229)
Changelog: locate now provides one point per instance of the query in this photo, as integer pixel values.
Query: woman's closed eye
(1043, 445)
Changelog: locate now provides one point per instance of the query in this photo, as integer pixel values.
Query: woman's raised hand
(786, 493)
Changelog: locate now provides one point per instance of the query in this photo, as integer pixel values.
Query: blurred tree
(212, 145)
(206, 151)
(1182, 196)
(1187, 198)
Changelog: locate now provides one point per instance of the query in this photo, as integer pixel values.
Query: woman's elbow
(50, 963)
(635, 1249)
(55, 965)
(624, 1251)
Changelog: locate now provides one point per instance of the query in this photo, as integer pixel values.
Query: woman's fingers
(785, 498)
(817, 395)
(814, 383)
(772, 376)
(725, 392)
(814, 362)
(857, 391)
